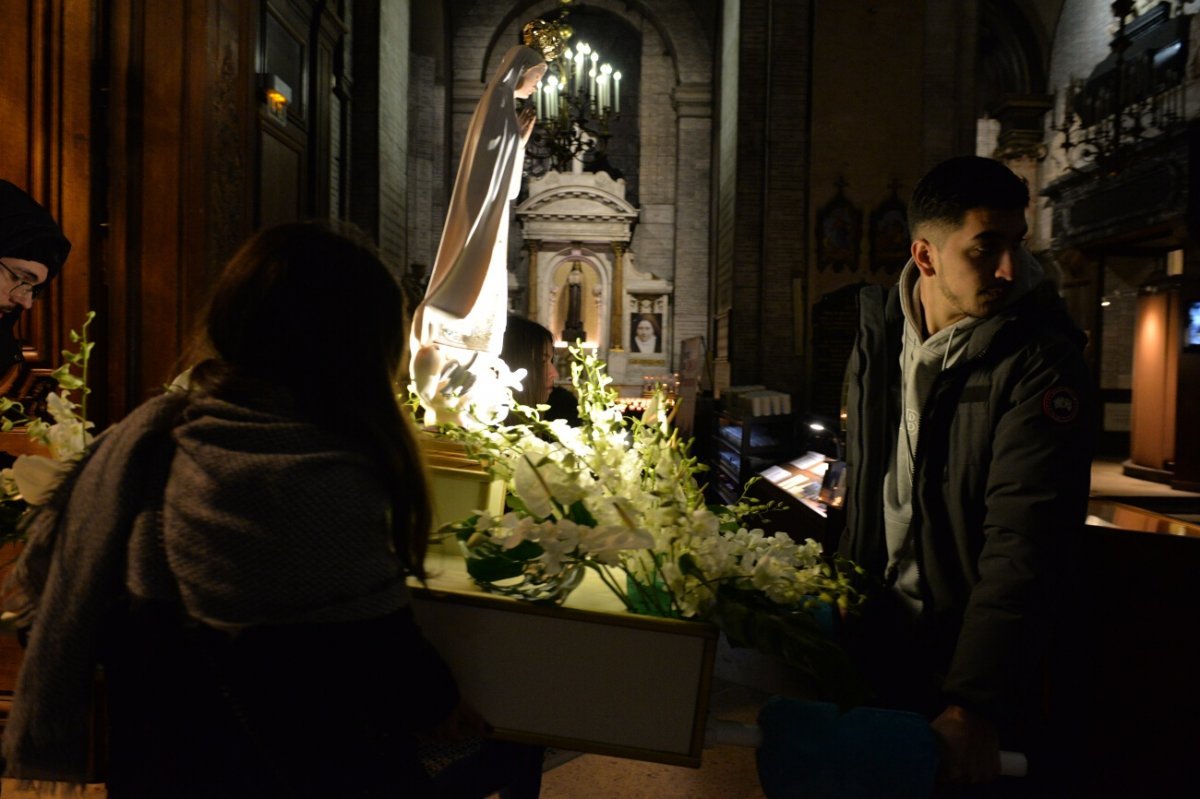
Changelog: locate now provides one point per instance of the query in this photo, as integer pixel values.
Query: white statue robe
(463, 313)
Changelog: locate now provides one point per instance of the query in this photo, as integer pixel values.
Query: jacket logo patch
(1060, 404)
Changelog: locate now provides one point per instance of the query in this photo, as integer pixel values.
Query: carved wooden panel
(136, 123)
(47, 110)
(281, 180)
(156, 165)
(298, 42)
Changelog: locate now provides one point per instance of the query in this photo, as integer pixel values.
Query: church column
(693, 109)
(532, 301)
(618, 297)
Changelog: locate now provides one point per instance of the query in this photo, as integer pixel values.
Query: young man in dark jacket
(969, 423)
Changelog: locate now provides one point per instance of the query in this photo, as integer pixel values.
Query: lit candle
(580, 55)
(592, 74)
(569, 57)
(537, 93)
(617, 104)
(552, 98)
(605, 72)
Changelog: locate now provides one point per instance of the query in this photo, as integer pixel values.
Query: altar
(587, 676)
(578, 227)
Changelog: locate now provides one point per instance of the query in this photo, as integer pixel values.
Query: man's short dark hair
(957, 185)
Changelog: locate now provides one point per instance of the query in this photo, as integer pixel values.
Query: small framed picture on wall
(645, 332)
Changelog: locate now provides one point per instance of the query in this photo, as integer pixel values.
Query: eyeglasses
(23, 287)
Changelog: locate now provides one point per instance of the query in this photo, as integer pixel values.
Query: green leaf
(579, 514)
(516, 505)
(11, 511)
(525, 551)
(689, 566)
(795, 637)
(489, 570)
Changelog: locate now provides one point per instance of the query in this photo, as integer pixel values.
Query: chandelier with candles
(577, 101)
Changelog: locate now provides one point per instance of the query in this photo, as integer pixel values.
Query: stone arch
(485, 25)
(1010, 57)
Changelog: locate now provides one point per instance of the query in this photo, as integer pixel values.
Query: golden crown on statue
(549, 38)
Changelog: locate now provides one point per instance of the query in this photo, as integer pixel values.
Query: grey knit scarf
(242, 516)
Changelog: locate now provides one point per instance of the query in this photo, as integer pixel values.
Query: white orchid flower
(606, 543)
(559, 541)
(60, 407)
(69, 439)
(513, 528)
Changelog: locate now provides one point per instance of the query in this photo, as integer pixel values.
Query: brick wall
(752, 148)
(726, 160)
(394, 32)
(693, 225)
(379, 128)
(654, 237)
(427, 190)
(948, 79)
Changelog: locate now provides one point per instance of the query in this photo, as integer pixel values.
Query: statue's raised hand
(526, 119)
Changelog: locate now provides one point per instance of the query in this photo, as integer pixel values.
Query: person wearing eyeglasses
(32, 251)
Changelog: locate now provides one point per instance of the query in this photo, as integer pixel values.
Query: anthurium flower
(36, 476)
(539, 485)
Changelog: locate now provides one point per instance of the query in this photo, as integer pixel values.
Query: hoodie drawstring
(946, 352)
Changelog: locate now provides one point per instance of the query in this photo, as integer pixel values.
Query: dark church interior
(706, 226)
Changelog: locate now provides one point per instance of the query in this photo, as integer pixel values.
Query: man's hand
(526, 119)
(970, 747)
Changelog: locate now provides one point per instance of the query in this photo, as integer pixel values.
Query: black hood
(28, 231)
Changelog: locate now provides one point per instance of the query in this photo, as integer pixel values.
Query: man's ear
(922, 255)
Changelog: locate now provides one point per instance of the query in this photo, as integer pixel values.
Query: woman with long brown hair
(235, 556)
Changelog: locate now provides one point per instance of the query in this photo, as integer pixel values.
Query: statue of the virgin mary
(458, 328)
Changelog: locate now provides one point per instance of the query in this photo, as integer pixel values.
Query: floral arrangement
(620, 496)
(33, 478)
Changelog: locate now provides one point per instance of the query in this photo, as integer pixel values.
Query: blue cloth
(811, 750)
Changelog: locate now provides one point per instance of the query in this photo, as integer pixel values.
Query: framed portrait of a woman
(645, 332)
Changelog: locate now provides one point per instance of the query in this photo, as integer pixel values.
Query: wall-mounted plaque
(839, 231)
